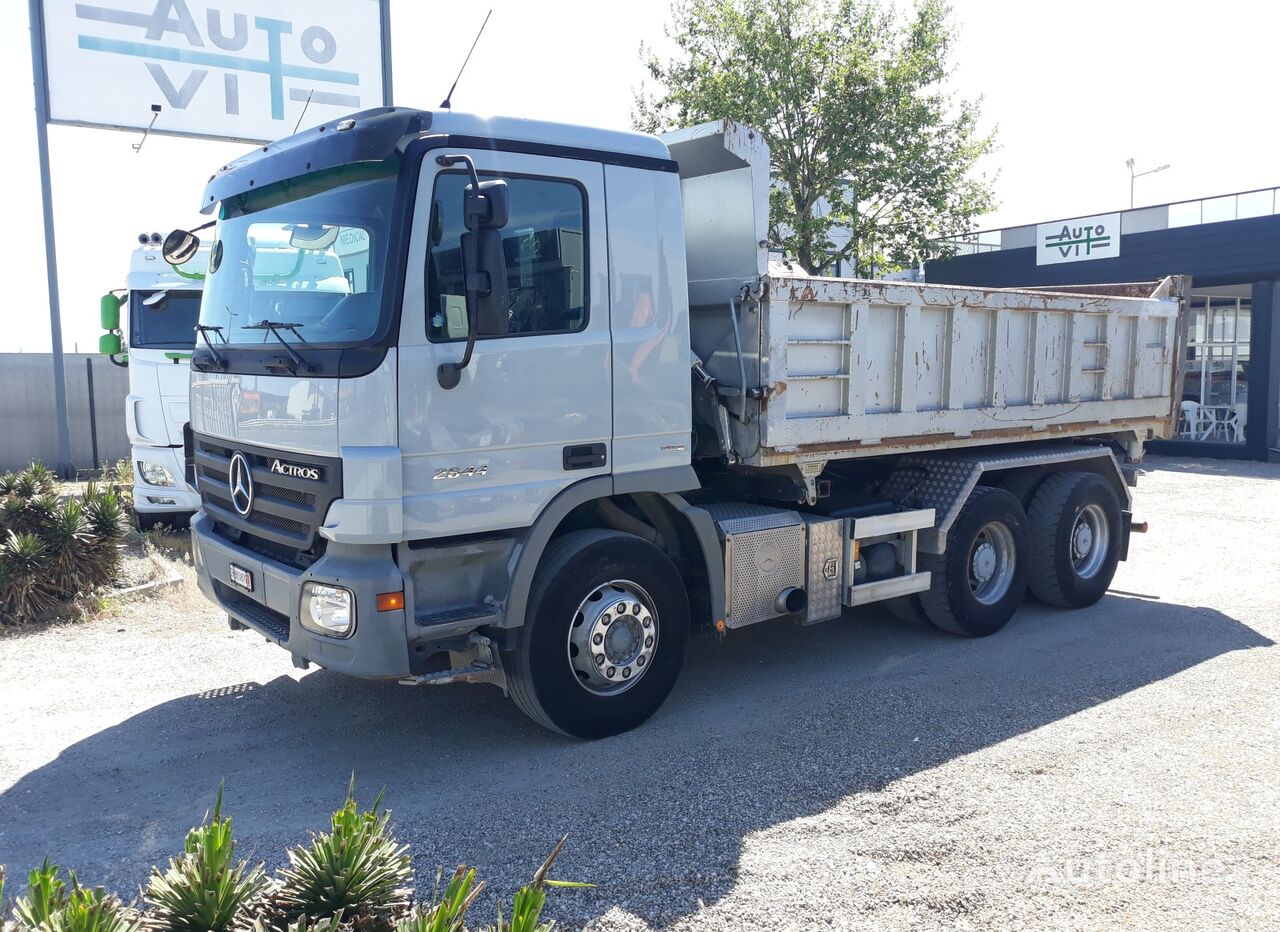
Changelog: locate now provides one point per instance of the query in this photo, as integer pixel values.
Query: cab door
(532, 412)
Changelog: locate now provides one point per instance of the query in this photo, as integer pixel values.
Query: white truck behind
(150, 327)
(557, 410)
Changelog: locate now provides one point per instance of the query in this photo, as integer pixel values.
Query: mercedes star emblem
(241, 482)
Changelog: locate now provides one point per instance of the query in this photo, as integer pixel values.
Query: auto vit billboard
(223, 69)
(1078, 240)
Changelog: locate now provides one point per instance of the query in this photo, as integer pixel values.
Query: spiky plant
(67, 538)
(45, 481)
(7, 482)
(26, 486)
(357, 870)
(302, 924)
(13, 514)
(448, 909)
(108, 525)
(91, 909)
(530, 900)
(205, 888)
(24, 593)
(46, 894)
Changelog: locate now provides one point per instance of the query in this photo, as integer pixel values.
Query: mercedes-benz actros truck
(495, 400)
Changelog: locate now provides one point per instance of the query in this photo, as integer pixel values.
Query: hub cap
(613, 637)
(991, 563)
(1090, 540)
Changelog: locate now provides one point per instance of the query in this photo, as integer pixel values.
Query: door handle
(585, 456)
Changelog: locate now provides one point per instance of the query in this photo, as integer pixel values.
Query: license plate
(241, 577)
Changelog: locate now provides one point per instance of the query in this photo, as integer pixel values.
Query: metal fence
(96, 391)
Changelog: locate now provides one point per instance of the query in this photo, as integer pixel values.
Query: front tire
(1076, 533)
(980, 581)
(604, 635)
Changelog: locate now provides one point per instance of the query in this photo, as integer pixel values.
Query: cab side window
(544, 243)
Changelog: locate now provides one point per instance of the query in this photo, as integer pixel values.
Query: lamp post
(1134, 176)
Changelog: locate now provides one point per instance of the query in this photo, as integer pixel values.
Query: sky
(1073, 90)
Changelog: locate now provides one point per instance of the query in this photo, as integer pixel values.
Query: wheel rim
(613, 637)
(992, 562)
(1090, 540)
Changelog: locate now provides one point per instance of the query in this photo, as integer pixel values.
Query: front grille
(274, 623)
(286, 512)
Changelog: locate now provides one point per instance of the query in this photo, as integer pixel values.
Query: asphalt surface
(1116, 766)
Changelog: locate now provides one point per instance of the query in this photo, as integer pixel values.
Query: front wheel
(604, 635)
(979, 582)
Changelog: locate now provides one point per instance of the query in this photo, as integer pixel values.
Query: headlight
(154, 474)
(328, 609)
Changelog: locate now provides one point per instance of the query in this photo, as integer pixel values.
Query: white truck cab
(494, 400)
(151, 328)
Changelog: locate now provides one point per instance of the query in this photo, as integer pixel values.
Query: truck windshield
(169, 324)
(309, 252)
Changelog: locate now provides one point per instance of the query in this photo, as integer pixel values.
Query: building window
(544, 245)
(1215, 393)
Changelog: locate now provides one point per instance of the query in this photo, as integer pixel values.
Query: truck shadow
(772, 725)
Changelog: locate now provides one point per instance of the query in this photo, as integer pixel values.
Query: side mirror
(179, 247)
(487, 287)
(109, 312)
(485, 209)
(486, 205)
(109, 344)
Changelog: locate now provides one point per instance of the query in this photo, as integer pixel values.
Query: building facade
(1228, 245)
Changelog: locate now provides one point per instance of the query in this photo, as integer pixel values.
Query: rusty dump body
(843, 368)
(814, 369)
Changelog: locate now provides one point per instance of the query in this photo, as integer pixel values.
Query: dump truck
(154, 337)
(554, 409)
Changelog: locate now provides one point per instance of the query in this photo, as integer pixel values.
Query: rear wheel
(1076, 533)
(979, 582)
(604, 635)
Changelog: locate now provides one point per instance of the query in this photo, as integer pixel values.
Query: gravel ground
(1111, 767)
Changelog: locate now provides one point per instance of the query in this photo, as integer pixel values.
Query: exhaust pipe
(790, 601)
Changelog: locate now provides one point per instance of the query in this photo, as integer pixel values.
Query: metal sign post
(50, 250)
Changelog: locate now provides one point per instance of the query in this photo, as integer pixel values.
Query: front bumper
(376, 649)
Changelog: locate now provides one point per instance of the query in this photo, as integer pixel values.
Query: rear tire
(627, 593)
(1076, 530)
(979, 582)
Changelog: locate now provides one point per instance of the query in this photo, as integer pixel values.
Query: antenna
(304, 110)
(447, 103)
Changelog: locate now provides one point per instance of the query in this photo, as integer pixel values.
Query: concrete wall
(28, 422)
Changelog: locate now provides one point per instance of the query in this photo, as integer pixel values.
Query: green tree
(866, 140)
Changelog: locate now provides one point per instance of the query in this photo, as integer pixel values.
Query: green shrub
(355, 878)
(356, 870)
(52, 550)
(204, 889)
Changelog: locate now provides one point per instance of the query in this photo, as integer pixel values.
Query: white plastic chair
(1197, 423)
(1236, 420)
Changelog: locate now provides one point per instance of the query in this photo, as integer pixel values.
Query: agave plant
(530, 900)
(27, 486)
(66, 536)
(204, 889)
(46, 894)
(91, 909)
(357, 870)
(23, 591)
(108, 525)
(45, 481)
(448, 910)
(7, 482)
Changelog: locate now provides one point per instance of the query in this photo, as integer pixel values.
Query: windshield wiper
(204, 330)
(274, 327)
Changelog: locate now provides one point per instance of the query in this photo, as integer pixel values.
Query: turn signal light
(390, 601)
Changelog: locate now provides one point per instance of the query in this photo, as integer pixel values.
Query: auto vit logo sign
(1078, 240)
(233, 69)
